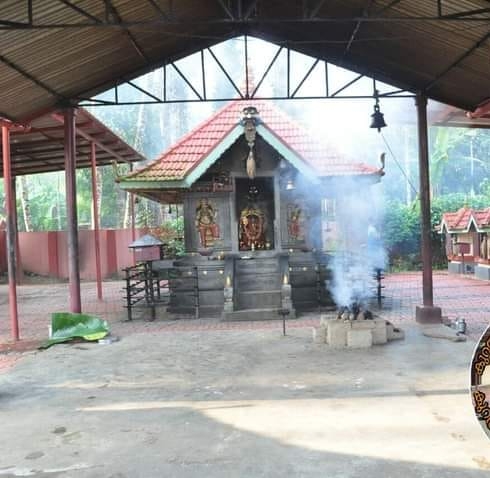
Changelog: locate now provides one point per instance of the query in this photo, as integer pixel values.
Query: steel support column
(132, 205)
(427, 313)
(71, 210)
(133, 217)
(95, 201)
(11, 233)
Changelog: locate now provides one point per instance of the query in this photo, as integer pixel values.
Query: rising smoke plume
(359, 249)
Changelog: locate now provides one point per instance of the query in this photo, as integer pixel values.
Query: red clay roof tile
(460, 220)
(180, 159)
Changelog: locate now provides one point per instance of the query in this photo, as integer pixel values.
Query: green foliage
(459, 160)
(402, 234)
(455, 201)
(444, 141)
(175, 247)
(46, 201)
(171, 233)
(402, 228)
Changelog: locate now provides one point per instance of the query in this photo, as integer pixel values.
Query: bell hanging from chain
(377, 119)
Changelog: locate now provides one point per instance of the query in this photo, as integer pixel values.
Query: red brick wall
(46, 253)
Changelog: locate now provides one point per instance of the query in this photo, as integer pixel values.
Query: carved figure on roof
(252, 229)
(249, 121)
(206, 225)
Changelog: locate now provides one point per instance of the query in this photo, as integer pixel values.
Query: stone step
(257, 266)
(187, 312)
(260, 281)
(258, 299)
(256, 314)
(210, 311)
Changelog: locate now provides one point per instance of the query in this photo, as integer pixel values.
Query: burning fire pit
(354, 327)
(354, 312)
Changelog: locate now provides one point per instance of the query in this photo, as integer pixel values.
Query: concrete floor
(241, 403)
(458, 296)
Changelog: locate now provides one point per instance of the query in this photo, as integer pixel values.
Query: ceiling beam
(111, 10)
(387, 7)
(316, 8)
(81, 11)
(228, 12)
(58, 117)
(21, 151)
(365, 12)
(158, 22)
(30, 77)
(250, 9)
(159, 10)
(466, 13)
(25, 142)
(36, 170)
(48, 129)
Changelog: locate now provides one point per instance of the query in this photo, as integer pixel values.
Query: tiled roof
(179, 160)
(482, 218)
(460, 220)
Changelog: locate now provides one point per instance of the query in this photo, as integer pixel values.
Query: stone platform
(340, 333)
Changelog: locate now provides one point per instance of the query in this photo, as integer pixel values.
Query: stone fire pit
(358, 333)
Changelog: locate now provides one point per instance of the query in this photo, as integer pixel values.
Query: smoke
(358, 246)
(351, 228)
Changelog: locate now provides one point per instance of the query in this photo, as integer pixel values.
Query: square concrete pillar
(380, 334)
(359, 338)
(319, 335)
(425, 314)
(482, 271)
(337, 333)
(363, 324)
(325, 319)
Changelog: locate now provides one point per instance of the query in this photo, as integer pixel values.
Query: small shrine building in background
(467, 242)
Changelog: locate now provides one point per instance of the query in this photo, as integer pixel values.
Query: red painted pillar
(427, 313)
(98, 273)
(19, 271)
(71, 210)
(11, 233)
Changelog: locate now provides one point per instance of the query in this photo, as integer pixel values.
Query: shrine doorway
(255, 213)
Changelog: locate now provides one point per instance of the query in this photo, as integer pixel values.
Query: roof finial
(248, 84)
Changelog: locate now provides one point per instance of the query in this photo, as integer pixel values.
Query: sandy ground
(241, 403)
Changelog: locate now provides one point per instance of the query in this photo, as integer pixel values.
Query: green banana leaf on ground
(66, 326)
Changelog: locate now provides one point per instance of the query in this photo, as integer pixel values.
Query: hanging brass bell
(377, 119)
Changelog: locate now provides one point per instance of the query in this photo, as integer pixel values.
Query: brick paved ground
(463, 297)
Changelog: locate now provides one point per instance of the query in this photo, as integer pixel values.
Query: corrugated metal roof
(410, 47)
(40, 148)
(179, 160)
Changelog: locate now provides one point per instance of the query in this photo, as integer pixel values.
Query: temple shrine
(466, 241)
(259, 195)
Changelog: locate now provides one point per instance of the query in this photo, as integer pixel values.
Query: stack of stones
(359, 333)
